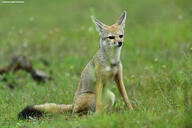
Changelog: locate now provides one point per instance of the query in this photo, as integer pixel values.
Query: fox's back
(87, 80)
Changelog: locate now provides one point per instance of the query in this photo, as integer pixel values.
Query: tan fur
(113, 28)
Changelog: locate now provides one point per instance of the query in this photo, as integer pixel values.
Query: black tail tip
(29, 111)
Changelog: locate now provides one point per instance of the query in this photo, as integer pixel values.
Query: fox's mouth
(113, 45)
(119, 44)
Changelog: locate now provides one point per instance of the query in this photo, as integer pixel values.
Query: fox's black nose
(119, 44)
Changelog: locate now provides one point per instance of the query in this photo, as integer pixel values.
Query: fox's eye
(120, 36)
(111, 37)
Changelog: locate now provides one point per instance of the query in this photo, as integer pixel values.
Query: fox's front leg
(99, 89)
(121, 87)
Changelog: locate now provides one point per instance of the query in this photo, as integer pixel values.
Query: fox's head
(111, 36)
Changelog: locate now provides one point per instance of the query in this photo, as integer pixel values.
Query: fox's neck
(109, 55)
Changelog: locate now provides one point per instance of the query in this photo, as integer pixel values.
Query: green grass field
(157, 60)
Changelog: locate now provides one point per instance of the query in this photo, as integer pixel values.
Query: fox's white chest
(112, 71)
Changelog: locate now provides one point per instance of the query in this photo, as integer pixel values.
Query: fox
(93, 92)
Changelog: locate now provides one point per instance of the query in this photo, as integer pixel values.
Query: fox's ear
(99, 24)
(121, 20)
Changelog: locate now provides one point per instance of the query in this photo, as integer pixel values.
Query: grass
(157, 59)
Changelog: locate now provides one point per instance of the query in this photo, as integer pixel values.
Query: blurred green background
(157, 59)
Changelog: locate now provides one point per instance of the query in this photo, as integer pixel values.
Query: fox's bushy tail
(38, 110)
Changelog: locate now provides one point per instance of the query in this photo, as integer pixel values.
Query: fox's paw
(29, 111)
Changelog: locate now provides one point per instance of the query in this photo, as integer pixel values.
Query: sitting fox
(102, 69)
